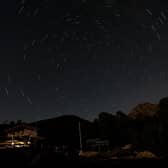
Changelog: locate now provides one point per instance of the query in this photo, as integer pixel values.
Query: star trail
(81, 57)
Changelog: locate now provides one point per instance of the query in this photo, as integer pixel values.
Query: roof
(21, 127)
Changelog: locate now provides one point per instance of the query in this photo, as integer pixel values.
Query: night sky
(81, 57)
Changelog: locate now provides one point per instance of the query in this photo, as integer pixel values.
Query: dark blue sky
(81, 57)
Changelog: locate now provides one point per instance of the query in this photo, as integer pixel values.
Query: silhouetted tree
(12, 123)
(19, 122)
(163, 126)
(163, 111)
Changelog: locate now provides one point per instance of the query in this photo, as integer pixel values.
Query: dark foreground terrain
(27, 159)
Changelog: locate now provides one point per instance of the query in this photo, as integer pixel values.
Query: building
(22, 135)
(97, 145)
(22, 130)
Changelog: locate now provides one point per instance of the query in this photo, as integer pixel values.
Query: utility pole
(80, 137)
